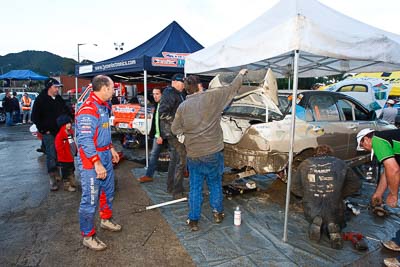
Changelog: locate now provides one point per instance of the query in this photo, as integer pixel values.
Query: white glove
(181, 138)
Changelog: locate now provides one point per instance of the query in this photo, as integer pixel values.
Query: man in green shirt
(157, 140)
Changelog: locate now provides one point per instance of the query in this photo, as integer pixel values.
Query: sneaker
(335, 236)
(218, 217)
(145, 179)
(68, 187)
(391, 262)
(110, 225)
(193, 225)
(94, 243)
(53, 187)
(391, 245)
(314, 232)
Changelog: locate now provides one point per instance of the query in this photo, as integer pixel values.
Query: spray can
(237, 217)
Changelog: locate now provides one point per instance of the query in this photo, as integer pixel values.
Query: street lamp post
(76, 77)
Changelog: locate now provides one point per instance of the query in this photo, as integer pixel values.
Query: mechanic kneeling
(323, 181)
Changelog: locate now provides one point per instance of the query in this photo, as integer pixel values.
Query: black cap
(50, 82)
(178, 77)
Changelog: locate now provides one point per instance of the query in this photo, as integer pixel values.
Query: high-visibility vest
(26, 103)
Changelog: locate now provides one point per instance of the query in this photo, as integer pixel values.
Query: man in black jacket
(48, 106)
(16, 108)
(323, 181)
(170, 100)
(8, 109)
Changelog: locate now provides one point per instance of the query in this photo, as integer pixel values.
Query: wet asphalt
(23, 178)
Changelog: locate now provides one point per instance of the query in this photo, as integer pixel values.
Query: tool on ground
(166, 203)
(357, 239)
(148, 236)
(350, 206)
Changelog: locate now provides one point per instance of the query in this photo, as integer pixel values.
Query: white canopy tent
(301, 38)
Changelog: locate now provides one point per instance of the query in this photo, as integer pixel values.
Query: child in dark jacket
(66, 151)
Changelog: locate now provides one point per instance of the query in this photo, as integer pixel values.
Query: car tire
(2, 117)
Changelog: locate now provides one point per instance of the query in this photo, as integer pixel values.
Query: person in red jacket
(66, 151)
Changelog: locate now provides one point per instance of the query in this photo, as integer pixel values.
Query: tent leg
(292, 131)
(145, 121)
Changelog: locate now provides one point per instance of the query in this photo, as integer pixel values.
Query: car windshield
(2, 95)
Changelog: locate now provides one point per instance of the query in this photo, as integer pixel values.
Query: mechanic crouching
(323, 181)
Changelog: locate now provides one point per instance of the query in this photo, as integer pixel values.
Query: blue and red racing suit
(94, 143)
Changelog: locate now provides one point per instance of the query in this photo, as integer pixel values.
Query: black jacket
(15, 104)
(323, 182)
(8, 104)
(170, 100)
(46, 110)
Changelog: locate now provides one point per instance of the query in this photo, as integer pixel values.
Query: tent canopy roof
(22, 75)
(164, 52)
(328, 41)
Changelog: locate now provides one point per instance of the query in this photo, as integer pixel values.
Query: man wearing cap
(198, 119)
(48, 106)
(385, 145)
(389, 113)
(172, 97)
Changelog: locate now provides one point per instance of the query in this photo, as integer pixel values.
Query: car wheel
(2, 117)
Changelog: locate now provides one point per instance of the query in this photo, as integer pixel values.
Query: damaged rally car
(256, 127)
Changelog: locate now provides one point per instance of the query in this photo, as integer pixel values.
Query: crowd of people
(12, 107)
(195, 143)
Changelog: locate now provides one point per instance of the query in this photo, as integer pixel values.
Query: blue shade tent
(22, 75)
(159, 57)
(163, 53)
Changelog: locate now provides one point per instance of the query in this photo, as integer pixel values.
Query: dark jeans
(154, 154)
(177, 163)
(67, 170)
(16, 116)
(50, 151)
(210, 167)
(9, 119)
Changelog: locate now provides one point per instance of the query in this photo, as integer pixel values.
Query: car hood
(263, 95)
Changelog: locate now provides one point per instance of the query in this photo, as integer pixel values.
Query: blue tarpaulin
(164, 52)
(22, 75)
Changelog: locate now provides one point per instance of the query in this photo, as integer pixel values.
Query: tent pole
(292, 131)
(288, 82)
(145, 115)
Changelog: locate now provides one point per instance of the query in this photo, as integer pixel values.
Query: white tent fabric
(301, 38)
(329, 43)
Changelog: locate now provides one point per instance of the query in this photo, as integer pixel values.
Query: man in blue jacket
(96, 155)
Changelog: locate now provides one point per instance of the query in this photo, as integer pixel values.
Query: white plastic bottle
(237, 217)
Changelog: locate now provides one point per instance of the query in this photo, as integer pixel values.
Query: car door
(355, 118)
(325, 118)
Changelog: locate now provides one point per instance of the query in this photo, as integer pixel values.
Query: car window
(347, 109)
(346, 88)
(360, 114)
(32, 96)
(2, 95)
(360, 88)
(323, 108)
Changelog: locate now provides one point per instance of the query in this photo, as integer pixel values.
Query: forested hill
(42, 62)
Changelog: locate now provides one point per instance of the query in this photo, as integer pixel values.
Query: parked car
(371, 92)
(256, 129)
(32, 95)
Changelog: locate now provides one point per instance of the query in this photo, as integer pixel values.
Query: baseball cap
(178, 77)
(50, 82)
(390, 101)
(361, 135)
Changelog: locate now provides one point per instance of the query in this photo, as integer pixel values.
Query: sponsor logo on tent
(170, 59)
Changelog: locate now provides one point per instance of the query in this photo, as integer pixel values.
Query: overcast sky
(58, 26)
